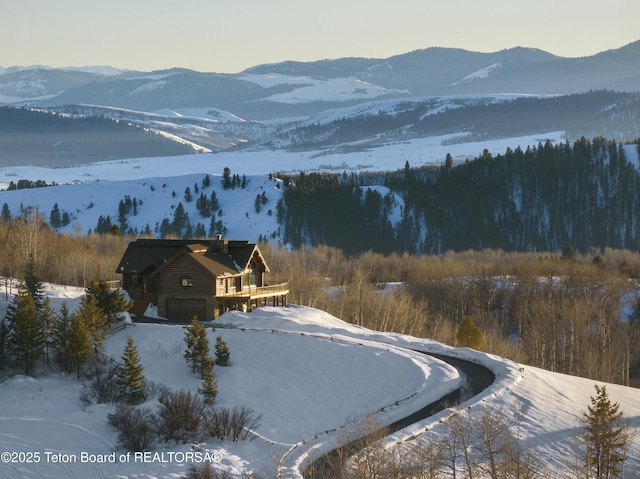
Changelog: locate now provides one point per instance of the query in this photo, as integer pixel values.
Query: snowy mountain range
(325, 105)
(297, 88)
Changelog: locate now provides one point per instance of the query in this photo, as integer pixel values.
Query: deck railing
(254, 292)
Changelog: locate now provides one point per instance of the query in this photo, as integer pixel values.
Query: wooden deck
(254, 296)
(256, 292)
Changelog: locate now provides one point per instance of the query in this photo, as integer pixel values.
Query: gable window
(186, 282)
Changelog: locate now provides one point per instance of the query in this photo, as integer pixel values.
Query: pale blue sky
(231, 35)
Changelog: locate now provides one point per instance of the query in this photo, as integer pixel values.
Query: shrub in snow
(135, 426)
(205, 471)
(234, 424)
(102, 386)
(179, 416)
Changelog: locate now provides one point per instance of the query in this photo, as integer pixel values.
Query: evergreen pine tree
(180, 220)
(25, 338)
(197, 352)
(48, 318)
(79, 347)
(469, 335)
(4, 336)
(55, 218)
(606, 435)
(111, 301)
(226, 178)
(5, 215)
(203, 352)
(122, 215)
(214, 204)
(212, 225)
(33, 284)
(448, 162)
(190, 339)
(203, 206)
(209, 388)
(222, 352)
(60, 337)
(94, 319)
(130, 377)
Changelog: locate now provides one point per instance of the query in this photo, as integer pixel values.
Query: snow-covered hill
(158, 184)
(310, 376)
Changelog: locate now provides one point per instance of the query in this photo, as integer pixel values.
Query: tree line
(544, 198)
(33, 333)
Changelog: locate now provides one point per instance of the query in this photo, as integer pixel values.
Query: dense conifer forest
(545, 198)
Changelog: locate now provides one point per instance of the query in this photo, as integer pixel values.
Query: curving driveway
(478, 378)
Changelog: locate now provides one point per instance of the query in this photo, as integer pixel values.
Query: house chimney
(222, 244)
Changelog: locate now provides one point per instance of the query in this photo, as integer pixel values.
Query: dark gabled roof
(144, 254)
(214, 261)
(150, 255)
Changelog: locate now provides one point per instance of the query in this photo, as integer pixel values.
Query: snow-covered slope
(339, 89)
(90, 191)
(311, 376)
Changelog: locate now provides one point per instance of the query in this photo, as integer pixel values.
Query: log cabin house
(202, 278)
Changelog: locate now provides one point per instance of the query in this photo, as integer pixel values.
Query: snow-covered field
(93, 190)
(310, 376)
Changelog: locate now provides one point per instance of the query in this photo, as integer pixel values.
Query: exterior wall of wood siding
(169, 281)
(170, 286)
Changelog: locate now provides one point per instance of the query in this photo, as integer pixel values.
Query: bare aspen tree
(456, 444)
(426, 459)
(494, 442)
(29, 225)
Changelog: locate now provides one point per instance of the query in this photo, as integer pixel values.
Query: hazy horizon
(228, 38)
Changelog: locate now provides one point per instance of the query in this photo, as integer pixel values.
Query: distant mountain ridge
(428, 72)
(344, 104)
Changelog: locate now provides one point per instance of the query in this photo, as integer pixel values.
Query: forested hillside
(30, 137)
(545, 198)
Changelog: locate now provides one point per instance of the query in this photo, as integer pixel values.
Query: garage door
(185, 309)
